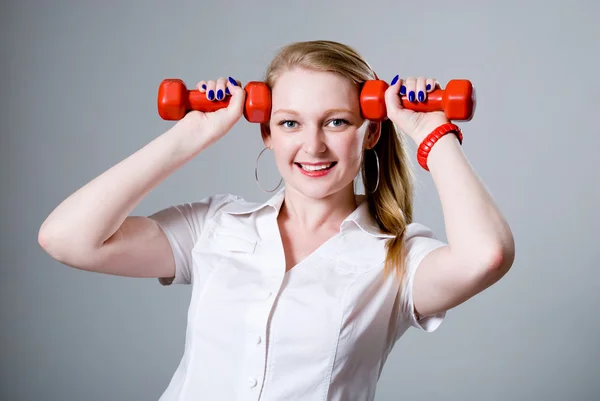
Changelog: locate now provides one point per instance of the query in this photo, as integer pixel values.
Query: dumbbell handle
(457, 101)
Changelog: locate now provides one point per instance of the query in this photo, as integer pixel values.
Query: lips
(316, 166)
(315, 170)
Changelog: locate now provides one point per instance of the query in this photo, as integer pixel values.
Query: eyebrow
(329, 111)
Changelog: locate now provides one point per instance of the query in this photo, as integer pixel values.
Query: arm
(92, 230)
(481, 245)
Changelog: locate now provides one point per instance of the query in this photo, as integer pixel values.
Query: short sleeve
(420, 241)
(183, 224)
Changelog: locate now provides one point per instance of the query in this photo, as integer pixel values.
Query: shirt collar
(360, 217)
(363, 219)
(240, 206)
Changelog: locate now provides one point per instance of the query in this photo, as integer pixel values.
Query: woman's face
(316, 131)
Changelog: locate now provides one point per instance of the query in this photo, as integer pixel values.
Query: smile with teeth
(316, 167)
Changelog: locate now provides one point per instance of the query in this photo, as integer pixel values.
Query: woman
(302, 296)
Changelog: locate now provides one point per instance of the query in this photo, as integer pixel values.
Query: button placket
(259, 318)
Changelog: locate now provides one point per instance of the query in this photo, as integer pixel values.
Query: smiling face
(317, 132)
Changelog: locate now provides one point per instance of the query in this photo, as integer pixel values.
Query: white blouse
(321, 331)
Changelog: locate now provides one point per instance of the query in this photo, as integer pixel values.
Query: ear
(265, 132)
(373, 134)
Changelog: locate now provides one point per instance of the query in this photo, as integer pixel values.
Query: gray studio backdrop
(79, 82)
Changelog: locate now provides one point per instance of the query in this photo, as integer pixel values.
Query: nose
(314, 141)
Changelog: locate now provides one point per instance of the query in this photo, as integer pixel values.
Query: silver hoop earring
(377, 182)
(256, 173)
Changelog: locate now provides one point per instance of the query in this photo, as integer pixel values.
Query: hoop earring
(377, 182)
(256, 173)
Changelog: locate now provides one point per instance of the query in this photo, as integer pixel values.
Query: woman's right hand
(209, 127)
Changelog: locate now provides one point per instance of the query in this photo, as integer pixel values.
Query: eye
(339, 122)
(288, 123)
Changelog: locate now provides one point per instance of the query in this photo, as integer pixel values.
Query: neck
(313, 215)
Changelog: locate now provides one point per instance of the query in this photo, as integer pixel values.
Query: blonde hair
(391, 203)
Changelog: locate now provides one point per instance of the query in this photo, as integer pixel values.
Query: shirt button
(252, 382)
(258, 339)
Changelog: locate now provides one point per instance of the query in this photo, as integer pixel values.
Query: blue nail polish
(421, 96)
(203, 86)
(428, 87)
(394, 81)
(411, 96)
(233, 81)
(227, 91)
(403, 90)
(219, 94)
(211, 94)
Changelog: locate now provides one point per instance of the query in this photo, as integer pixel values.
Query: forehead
(305, 90)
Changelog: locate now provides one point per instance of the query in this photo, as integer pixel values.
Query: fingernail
(227, 91)
(394, 81)
(233, 81)
(421, 96)
(428, 87)
(203, 86)
(411, 96)
(219, 94)
(403, 90)
(211, 94)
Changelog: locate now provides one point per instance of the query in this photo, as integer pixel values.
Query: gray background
(79, 82)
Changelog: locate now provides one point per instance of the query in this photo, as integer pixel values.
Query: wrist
(185, 143)
(432, 141)
(443, 147)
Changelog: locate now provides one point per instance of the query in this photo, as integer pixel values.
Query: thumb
(392, 98)
(238, 97)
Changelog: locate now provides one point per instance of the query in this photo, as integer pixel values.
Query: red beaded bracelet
(432, 138)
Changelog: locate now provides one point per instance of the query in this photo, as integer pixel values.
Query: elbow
(61, 248)
(45, 240)
(53, 245)
(500, 261)
(487, 263)
(45, 237)
(494, 263)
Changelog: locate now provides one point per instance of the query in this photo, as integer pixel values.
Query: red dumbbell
(175, 100)
(457, 101)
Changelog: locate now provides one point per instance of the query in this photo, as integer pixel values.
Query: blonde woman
(301, 297)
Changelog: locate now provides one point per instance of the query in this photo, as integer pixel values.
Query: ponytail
(391, 203)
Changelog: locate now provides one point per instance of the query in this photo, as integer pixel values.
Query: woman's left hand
(417, 125)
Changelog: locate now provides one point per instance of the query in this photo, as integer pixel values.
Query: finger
(232, 85)
(201, 86)
(238, 95)
(220, 88)
(430, 84)
(234, 82)
(420, 89)
(395, 83)
(397, 86)
(411, 86)
(392, 99)
(402, 90)
(210, 90)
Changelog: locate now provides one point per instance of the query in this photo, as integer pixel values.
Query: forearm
(476, 229)
(91, 215)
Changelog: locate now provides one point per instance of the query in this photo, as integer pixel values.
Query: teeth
(316, 168)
